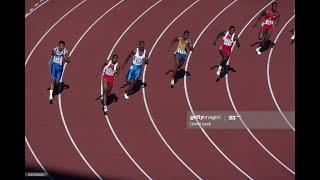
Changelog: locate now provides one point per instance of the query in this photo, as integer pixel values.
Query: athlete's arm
(259, 18)
(117, 71)
(237, 41)
(190, 46)
(132, 53)
(277, 19)
(51, 58)
(172, 42)
(146, 60)
(67, 56)
(218, 36)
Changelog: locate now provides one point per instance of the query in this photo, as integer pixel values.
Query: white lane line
(59, 99)
(268, 76)
(145, 99)
(27, 60)
(46, 33)
(35, 157)
(188, 99)
(34, 9)
(101, 88)
(235, 109)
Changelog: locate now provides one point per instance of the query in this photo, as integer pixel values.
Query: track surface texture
(146, 136)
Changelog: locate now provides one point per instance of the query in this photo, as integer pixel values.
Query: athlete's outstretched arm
(128, 58)
(146, 60)
(237, 41)
(51, 57)
(190, 46)
(67, 57)
(259, 18)
(276, 22)
(222, 33)
(117, 71)
(172, 42)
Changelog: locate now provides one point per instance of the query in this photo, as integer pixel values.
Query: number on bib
(269, 22)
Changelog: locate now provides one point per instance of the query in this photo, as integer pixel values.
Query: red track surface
(129, 119)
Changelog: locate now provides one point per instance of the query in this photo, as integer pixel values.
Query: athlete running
(229, 38)
(271, 18)
(140, 57)
(110, 69)
(180, 55)
(59, 56)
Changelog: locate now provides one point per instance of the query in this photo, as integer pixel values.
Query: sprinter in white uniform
(140, 57)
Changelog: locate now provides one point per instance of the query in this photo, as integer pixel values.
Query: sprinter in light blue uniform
(140, 57)
(59, 56)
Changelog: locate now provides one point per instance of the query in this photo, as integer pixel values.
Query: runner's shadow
(137, 87)
(264, 46)
(180, 74)
(112, 98)
(59, 88)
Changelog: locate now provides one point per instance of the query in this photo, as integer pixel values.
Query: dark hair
(274, 3)
(232, 27)
(141, 42)
(62, 42)
(186, 31)
(115, 55)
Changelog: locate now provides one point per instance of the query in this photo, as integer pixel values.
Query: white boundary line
(268, 76)
(35, 7)
(145, 99)
(189, 103)
(101, 89)
(46, 33)
(35, 157)
(235, 109)
(59, 99)
(26, 63)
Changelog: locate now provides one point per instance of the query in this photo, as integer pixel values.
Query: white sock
(172, 81)
(219, 70)
(50, 94)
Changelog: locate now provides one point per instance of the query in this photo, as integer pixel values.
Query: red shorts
(266, 26)
(109, 79)
(226, 50)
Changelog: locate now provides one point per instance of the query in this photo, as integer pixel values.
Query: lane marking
(268, 76)
(188, 99)
(59, 97)
(36, 158)
(27, 60)
(34, 9)
(145, 99)
(235, 109)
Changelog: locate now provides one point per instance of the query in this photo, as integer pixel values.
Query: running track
(160, 147)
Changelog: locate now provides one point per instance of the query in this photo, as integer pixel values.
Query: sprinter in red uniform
(271, 18)
(229, 38)
(110, 69)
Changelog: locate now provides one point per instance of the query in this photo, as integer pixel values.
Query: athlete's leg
(225, 58)
(268, 34)
(176, 65)
(261, 34)
(53, 74)
(105, 95)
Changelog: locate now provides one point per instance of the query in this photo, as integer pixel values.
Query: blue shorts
(56, 71)
(181, 56)
(134, 72)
